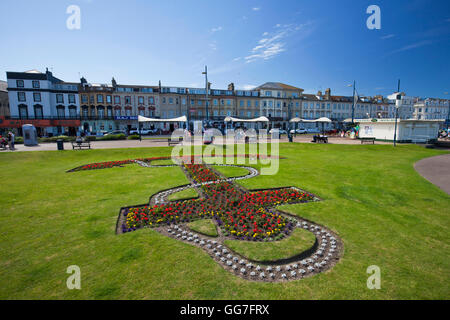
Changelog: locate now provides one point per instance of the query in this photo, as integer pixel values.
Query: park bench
(174, 141)
(81, 144)
(368, 140)
(320, 138)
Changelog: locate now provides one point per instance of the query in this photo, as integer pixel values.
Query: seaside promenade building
(56, 107)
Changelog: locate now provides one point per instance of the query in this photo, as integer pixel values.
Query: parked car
(144, 132)
(299, 131)
(313, 130)
(280, 131)
(116, 132)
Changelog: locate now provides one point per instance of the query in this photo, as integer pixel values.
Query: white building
(431, 109)
(48, 103)
(407, 130)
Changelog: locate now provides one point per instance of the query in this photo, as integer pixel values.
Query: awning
(260, 119)
(144, 119)
(323, 119)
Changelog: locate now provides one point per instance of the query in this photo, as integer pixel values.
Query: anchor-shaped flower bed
(239, 214)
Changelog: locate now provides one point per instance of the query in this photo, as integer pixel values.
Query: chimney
(328, 94)
(114, 83)
(209, 85)
(231, 87)
(319, 93)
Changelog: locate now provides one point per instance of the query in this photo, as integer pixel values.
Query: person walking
(11, 140)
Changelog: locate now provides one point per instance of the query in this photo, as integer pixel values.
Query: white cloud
(413, 46)
(389, 36)
(216, 29)
(247, 87)
(256, 9)
(237, 59)
(272, 44)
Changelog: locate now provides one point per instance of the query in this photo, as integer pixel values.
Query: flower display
(241, 213)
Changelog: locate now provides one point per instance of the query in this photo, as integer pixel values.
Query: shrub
(90, 138)
(54, 139)
(18, 140)
(133, 137)
(113, 137)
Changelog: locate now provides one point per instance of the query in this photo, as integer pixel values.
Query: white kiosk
(29, 135)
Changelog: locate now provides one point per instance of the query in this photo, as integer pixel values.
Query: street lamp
(206, 87)
(354, 100)
(448, 114)
(398, 102)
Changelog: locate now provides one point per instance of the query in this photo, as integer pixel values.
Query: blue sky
(310, 44)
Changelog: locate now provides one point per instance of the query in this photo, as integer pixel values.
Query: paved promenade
(148, 143)
(436, 170)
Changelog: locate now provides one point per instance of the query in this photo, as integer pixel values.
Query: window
(249, 103)
(117, 112)
(21, 96)
(257, 103)
(116, 99)
(60, 111)
(108, 99)
(71, 98)
(37, 97)
(249, 114)
(228, 102)
(23, 111)
(128, 112)
(38, 112)
(170, 100)
(72, 112)
(164, 100)
(36, 84)
(183, 101)
(127, 100)
(110, 112)
(199, 102)
(215, 102)
(141, 100)
(151, 100)
(268, 93)
(101, 112)
(59, 98)
(241, 103)
(19, 84)
(99, 98)
(84, 98)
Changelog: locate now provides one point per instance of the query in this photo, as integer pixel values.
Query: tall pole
(206, 87)
(354, 102)
(397, 106)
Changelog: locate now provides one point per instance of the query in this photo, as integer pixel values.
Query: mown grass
(204, 226)
(183, 195)
(385, 213)
(231, 172)
(300, 241)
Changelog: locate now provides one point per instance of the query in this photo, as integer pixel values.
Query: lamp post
(206, 94)
(398, 103)
(448, 114)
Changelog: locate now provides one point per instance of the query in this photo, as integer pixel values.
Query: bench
(368, 140)
(81, 145)
(319, 139)
(171, 141)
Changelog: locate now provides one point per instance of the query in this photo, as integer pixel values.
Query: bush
(90, 138)
(113, 137)
(133, 137)
(54, 139)
(18, 140)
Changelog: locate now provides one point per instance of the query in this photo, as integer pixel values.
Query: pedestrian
(11, 140)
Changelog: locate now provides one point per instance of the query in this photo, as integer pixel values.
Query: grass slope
(185, 194)
(300, 241)
(386, 214)
(204, 226)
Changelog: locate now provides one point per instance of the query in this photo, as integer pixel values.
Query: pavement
(436, 170)
(148, 143)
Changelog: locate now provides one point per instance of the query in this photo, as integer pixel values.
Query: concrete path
(436, 170)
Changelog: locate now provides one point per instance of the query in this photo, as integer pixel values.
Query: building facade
(43, 100)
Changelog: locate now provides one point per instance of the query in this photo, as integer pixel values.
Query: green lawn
(300, 241)
(204, 226)
(385, 213)
(231, 172)
(185, 194)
